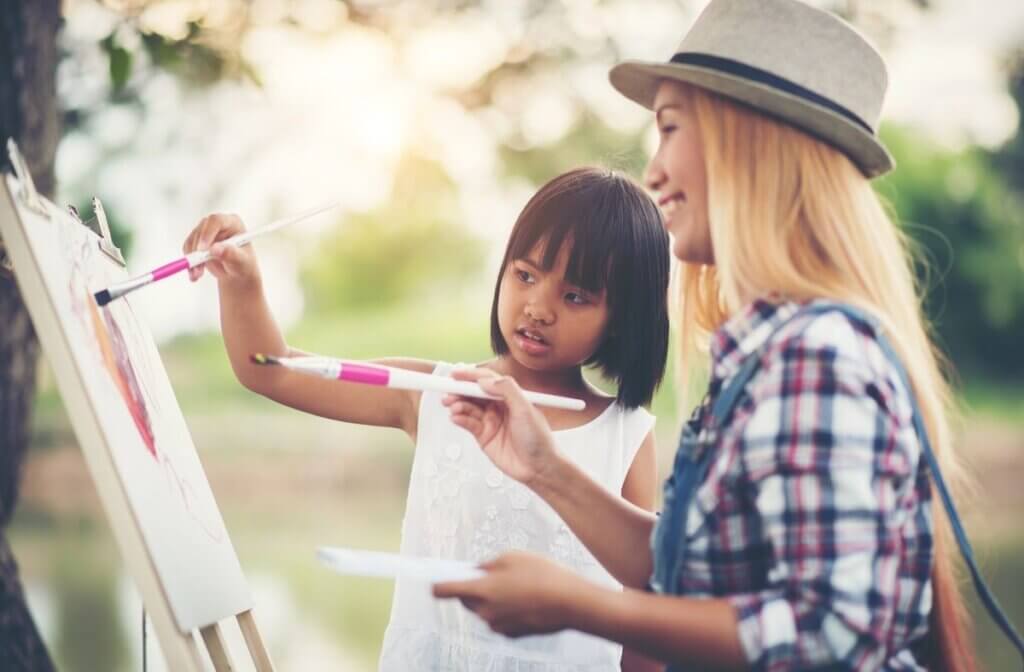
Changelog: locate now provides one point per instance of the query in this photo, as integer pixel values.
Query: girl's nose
(538, 313)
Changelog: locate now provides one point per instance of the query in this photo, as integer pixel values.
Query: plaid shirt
(814, 520)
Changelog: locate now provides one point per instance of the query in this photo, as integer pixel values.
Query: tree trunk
(28, 113)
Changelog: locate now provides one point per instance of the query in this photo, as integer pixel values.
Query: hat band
(749, 72)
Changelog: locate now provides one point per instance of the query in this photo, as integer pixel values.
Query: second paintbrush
(388, 376)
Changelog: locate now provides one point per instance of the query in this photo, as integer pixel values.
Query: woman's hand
(228, 263)
(522, 594)
(510, 430)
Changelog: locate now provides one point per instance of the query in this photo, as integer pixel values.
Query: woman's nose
(654, 176)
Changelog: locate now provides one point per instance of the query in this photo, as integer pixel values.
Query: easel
(177, 625)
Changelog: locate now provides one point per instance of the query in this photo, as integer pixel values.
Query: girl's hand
(522, 594)
(228, 263)
(510, 430)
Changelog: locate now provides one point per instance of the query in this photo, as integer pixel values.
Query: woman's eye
(667, 129)
(576, 298)
(524, 275)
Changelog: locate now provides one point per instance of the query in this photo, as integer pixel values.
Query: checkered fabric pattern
(815, 517)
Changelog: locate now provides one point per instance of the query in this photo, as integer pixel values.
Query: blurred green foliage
(965, 210)
(412, 246)
(967, 221)
(589, 142)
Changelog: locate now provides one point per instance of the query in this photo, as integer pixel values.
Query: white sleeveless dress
(461, 507)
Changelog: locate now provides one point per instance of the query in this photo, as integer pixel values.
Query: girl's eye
(577, 298)
(524, 275)
(667, 129)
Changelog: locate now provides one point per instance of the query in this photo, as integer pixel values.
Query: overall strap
(726, 401)
(980, 586)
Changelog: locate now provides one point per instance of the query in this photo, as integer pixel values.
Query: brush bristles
(103, 297)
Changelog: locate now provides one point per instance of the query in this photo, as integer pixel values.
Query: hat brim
(639, 81)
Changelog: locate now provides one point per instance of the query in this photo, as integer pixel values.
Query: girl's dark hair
(617, 244)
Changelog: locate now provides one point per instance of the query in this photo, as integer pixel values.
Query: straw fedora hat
(796, 63)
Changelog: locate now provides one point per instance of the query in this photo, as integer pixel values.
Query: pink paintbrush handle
(170, 269)
(364, 373)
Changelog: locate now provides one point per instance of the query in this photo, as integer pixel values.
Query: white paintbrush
(403, 379)
(105, 296)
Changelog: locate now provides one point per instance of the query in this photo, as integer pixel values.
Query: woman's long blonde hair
(792, 216)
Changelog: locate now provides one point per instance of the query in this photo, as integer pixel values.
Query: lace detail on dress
(460, 506)
(404, 649)
(444, 484)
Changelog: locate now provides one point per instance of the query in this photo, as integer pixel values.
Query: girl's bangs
(575, 219)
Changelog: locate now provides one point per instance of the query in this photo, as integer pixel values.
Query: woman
(797, 529)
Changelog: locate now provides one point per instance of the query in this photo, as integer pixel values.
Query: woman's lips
(669, 204)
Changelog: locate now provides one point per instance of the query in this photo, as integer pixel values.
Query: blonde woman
(802, 525)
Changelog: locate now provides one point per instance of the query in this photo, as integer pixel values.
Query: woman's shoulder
(834, 332)
(830, 345)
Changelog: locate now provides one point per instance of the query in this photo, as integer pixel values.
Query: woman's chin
(687, 252)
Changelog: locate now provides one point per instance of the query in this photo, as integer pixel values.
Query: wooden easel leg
(254, 640)
(217, 647)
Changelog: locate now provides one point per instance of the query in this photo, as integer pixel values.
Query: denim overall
(696, 451)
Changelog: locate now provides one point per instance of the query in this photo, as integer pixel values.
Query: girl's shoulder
(637, 420)
(617, 422)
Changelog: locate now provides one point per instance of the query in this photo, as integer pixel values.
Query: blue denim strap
(693, 459)
(980, 586)
(668, 538)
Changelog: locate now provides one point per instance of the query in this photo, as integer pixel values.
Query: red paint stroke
(117, 362)
(114, 354)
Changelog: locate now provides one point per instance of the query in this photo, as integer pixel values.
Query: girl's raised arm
(249, 327)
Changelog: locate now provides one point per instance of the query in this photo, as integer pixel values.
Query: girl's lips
(530, 346)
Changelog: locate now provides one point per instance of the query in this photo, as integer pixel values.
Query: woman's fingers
(462, 590)
(509, 391)
(450, 400)
(493, 420)
(480, 417)
(474, 374)
(483, 424)
(472, 425)
(461, 408)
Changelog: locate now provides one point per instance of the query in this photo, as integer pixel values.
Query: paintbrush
(198, 258)
(403, 379)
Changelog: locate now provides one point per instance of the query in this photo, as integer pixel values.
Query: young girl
(804, 524)
(554, 311)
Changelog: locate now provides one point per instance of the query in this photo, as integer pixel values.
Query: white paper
(393, 565)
